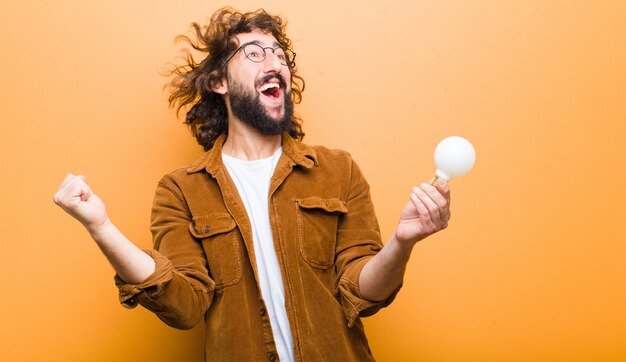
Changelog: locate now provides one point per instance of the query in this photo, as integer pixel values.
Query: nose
(271, 61)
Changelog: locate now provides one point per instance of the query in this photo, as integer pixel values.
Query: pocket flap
(204, 226)
(329, 205)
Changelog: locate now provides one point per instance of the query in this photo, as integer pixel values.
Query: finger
(433, 200)
(66, 181)
(73, 192)
(431, 206)
(85, 192)
(424, 214)
(442, 186)
(80, 188)
(435, 195)
(62, 188)
(71, 179)
(422, 210)
(444, 190)
(439, 197)
(68, 177)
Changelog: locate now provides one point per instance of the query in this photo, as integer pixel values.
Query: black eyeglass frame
(290, 63)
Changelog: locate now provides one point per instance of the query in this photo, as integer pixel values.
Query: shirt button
(263, 311)
(272, 356)
(206, 229)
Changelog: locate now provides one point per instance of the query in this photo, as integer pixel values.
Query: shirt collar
(299, 153)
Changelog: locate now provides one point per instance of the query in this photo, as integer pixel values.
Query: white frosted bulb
(454, 156)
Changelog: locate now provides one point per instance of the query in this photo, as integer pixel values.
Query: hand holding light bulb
(454, 156)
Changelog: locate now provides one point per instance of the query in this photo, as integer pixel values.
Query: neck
(246, 143)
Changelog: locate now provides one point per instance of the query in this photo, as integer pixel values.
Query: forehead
(257, 36)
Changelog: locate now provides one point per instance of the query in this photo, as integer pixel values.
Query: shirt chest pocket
(317, 220)
(220, 239)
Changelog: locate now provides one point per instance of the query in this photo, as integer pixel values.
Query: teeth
(267, 86)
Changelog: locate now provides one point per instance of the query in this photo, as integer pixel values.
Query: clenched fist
(77, 199)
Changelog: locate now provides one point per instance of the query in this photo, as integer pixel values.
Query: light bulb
(454, 156)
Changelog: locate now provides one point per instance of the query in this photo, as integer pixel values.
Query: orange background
(532, 267)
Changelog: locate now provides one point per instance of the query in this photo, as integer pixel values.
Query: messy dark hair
(207, 116)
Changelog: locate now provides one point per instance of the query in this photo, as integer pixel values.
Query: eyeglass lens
(256, 53)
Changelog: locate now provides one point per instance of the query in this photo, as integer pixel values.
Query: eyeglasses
(257, 54)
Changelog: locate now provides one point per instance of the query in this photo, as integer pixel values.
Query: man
(273, 242)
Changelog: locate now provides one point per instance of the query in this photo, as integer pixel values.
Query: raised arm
(76, 197)
(427, 212)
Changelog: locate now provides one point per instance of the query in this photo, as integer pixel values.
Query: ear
(219, 86)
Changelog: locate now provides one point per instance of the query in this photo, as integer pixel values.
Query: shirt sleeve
(358, 240)
(152, 287)
(180, 290)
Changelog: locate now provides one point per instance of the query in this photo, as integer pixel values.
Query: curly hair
(207, 117)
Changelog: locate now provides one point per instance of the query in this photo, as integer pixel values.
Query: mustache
(281, 80)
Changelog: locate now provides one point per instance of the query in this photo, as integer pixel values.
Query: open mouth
(271, 90)
(272, 87)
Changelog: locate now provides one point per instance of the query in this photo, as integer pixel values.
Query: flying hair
(190, 87)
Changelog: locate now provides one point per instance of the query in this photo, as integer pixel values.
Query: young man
(273, 242)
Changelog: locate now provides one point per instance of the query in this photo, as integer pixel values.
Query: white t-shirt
(252, 179)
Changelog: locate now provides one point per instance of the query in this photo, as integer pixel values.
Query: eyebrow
(275, 45)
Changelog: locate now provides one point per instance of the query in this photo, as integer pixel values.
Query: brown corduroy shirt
(324, 230)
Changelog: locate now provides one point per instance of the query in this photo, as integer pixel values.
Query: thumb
(85, 193)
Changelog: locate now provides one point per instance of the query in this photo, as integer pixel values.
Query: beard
(246, 105)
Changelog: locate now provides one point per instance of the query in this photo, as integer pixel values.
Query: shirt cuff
(352, 302)
(146, 292)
